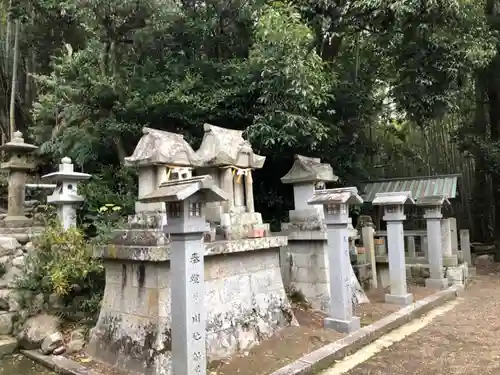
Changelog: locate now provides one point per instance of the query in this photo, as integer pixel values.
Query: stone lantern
(433, 216)
(336, 209)
(185, 204)
(306, 175)
(393, 204)
(66, 197)
(17, 166)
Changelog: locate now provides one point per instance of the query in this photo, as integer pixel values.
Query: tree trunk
(13, 89)
(7, 38)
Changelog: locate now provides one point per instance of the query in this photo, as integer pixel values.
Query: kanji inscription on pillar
(196, 313)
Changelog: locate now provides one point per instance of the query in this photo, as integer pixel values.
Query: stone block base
(472, 271)
(245, 302)
(343, 326)
(450, 261)
(436, 283)
(402, 300)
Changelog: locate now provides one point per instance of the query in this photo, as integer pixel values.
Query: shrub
(62, 263)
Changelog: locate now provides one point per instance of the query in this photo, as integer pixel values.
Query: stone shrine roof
(179, 190)
(224, 147)
(397, 197)
(336, 196)
(162, 147)
(307, 169)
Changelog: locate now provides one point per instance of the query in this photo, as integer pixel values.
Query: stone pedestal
(249, 191)
(449, 258)
(397, 269)
(393, 204)
(335, 202)
(17, 167)
(465, 246)
(244, 298)
(437, 279)
(66, 197)
(411, 247)
(367, 232)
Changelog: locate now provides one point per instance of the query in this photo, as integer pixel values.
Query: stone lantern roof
(225, 147)
(307, 169)
(393, 198)
(175, 191)
(158, 147)
(432, 200)
(336, 196)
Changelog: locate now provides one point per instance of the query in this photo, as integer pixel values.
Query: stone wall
(17, 305)
(12, 261)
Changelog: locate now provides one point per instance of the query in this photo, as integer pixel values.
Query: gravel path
(465, 341)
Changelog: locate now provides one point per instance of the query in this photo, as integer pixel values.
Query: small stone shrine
(244, 300)
(65, 197)
(17, 166)
(229, 159)
(305, 258)
(307, 175)
(160, 156)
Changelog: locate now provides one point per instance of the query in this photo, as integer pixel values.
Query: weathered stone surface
(244, 298)
(55, 302)
(484, 261)
(9, 280)
(76, 342)
(8, 345)
(59, 350)
(36, 329)
(29, 247)
(18, 261)
(8, 245)
(52, 342)
(6, 322)
(4, 299)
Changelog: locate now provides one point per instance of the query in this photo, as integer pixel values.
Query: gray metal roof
(444, 185)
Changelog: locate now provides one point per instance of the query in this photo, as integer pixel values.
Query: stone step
(8, 345)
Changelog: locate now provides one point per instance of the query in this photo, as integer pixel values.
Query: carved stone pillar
(249, 191)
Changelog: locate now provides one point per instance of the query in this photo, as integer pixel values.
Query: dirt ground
(293, 342)
(289, 344)
(464, 341)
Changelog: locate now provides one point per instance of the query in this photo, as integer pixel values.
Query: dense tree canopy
(346, 80)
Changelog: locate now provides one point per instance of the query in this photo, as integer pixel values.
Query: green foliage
(63, 264)
(113, 185)
(289, 81)
(310, 77)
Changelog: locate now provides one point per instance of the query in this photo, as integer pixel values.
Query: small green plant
(63, 263)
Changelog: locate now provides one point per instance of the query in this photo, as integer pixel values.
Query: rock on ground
(52, 342)
(76, 341)
(36, 329)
